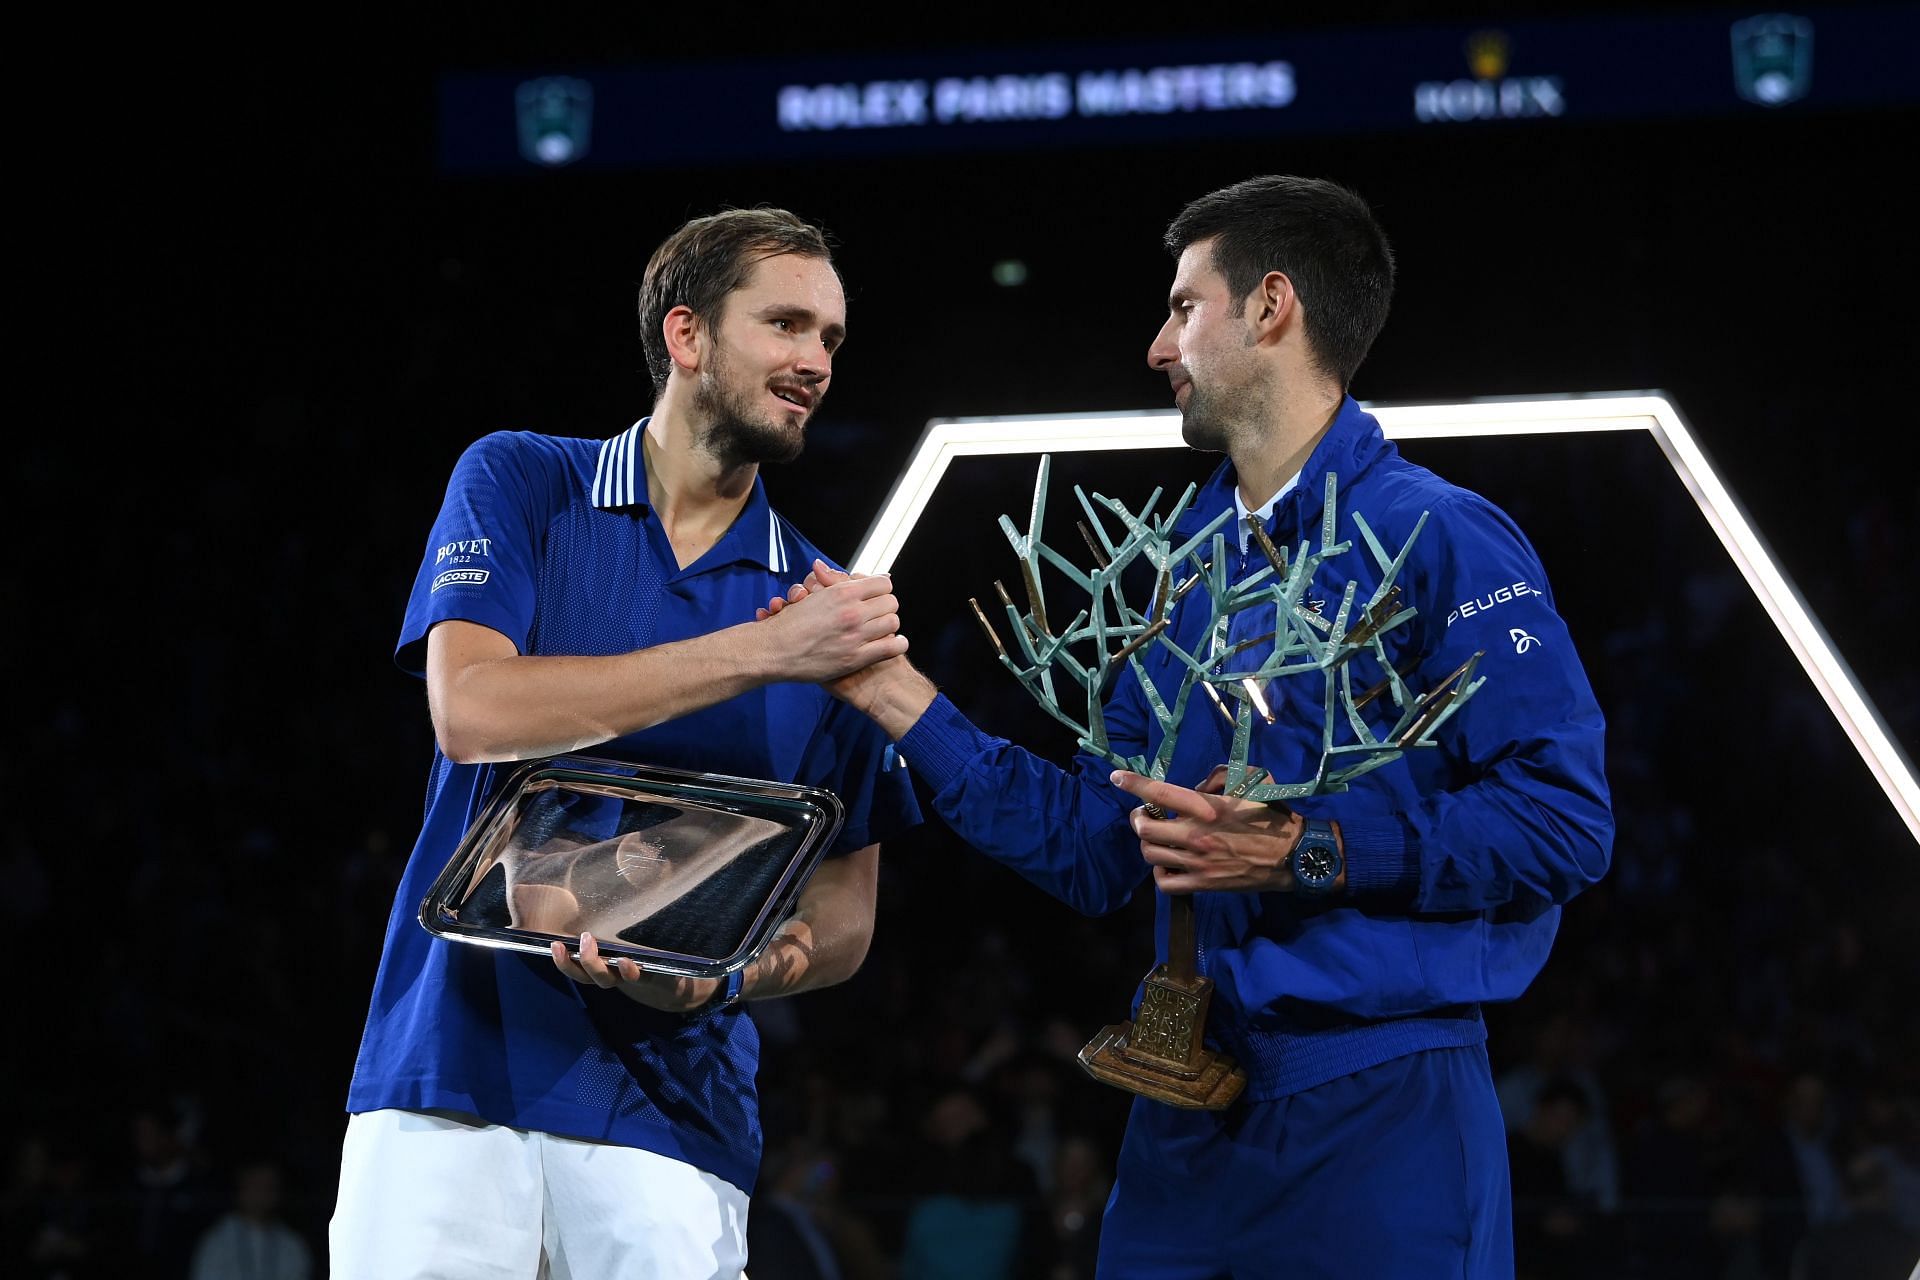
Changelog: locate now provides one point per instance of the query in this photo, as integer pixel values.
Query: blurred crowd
(1717, 1075)
(1727, 1093)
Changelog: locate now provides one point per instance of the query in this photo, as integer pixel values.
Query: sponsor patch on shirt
(1480, 604)
(462, 552)
(461, 578)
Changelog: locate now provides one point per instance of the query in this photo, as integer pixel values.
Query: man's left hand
(665, 992)
(1209, 841)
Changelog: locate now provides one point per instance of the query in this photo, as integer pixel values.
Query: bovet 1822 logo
(459, 554)
(461, 550)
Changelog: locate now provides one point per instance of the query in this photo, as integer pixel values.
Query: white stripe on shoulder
(634, 455)
(599, 470)
(626, 468)
(616, 472)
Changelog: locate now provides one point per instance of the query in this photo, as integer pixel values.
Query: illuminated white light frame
(948, 438)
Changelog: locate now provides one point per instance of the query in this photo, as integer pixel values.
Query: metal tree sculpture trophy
(1067, 669)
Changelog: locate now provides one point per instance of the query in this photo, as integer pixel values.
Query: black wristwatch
(1315, 861)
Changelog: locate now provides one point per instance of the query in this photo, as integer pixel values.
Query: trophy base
(1209, 1083)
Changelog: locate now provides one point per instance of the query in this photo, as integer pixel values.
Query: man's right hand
(832, 628)
(889, 690)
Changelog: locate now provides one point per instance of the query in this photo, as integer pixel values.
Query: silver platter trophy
(683, 873)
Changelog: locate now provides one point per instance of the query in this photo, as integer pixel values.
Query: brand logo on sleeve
(459, 561)
(1521, 640)
(461, 578)
(1480, 604)
(463, 550)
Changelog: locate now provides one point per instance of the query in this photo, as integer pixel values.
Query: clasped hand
(849, 684)
(835, 623)
(1210, 841)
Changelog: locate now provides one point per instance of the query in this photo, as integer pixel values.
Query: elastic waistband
(1278, 1063)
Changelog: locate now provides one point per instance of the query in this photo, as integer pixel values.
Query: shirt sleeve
(852, 758)
(1523, 814)
(1066, 832)
(483, 553)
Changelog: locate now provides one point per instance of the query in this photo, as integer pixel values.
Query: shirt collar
(1352, 445)
(1240, 512)
(620, 473)
(758, 534)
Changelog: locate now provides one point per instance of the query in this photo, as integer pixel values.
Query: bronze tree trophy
(1161, 1052)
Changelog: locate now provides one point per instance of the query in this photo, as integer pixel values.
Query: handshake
(842, 631)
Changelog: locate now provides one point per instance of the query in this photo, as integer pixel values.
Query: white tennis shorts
(435, 1195)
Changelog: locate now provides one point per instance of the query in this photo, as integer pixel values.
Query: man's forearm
(827, 938)
(524, 707)
(893, 694)
(490, 702)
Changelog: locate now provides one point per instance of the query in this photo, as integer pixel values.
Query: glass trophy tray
(683, 873)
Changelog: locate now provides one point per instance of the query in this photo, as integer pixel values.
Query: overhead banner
(1646, 66)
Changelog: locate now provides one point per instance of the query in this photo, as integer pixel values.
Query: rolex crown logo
(1487, 54)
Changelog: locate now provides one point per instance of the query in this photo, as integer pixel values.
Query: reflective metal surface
(684, 873)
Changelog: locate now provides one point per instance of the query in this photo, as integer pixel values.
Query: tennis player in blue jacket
(1354, 938)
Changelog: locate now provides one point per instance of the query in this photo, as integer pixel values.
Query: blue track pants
(1399, 1170)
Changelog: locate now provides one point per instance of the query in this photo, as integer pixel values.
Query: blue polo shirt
(550, 542)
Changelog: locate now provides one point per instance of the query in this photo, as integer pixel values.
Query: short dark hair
(1322, 236)
(707, 259)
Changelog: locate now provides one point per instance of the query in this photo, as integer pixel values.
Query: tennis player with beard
(519, 1117)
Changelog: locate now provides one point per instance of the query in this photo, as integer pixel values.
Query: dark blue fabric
(1457, 857)
(505, 1036)
(1398, 1172)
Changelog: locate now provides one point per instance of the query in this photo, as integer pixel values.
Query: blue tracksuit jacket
(1458, 857)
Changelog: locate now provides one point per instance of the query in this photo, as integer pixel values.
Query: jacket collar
(1351, 446)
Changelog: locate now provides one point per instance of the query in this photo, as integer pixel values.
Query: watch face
(1317, 864)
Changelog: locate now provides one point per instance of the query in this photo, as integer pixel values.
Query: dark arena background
(324, 258)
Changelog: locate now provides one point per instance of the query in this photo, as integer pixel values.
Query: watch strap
(1316, 833)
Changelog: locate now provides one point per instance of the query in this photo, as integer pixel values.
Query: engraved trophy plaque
(1161, 1052)
(682, 873)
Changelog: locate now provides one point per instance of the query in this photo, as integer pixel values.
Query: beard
(739, 429)
(1210, 419)
(1200, 423)
(1218, 415)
